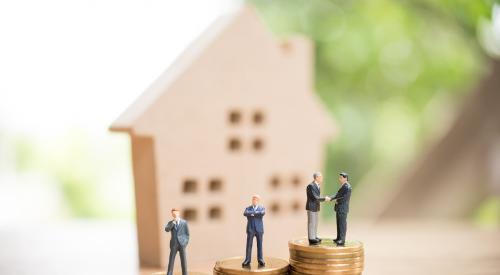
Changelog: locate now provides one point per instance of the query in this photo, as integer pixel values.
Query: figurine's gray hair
(256, 196)
(316, 174)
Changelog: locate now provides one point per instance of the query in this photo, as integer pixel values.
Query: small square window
(258, 144)
(215, 213)
(286, 46)
(275, 208)
(296, 180)
(215, 185)
(296, 206)
(234, 117)
(234, 144)
(190, 214)
(275, 182)
(258, 117)
(190, 186)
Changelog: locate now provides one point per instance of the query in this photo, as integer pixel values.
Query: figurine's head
(343, 177)
(318, 177)
(255, 199)
(176, 213)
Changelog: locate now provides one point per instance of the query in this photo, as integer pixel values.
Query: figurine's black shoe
(313, 242)
(245, 264)
(335, 240)
(340, 243)
(262, 264)
(318, 240)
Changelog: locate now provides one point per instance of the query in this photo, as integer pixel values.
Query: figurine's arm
(248, 212)
(340, 194)
(169, 226)
(336, 197)
(260, 213)
(314, 195)
(187, 230)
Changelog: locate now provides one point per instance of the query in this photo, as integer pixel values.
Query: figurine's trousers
(312, 225)
(248, 256)
(171, 260)
(341, 226)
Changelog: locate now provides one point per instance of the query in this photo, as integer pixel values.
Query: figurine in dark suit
(314, 198)
(255, 228)
(342, 207)
(180, 237)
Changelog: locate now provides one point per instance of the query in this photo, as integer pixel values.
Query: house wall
(148, 228)
(244, 71)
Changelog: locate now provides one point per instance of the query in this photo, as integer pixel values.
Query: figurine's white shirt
(317, 184)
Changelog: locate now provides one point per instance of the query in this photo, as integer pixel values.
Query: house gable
(230, 48)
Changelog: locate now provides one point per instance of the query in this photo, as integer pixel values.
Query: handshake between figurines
(329, 198)
(341, 208)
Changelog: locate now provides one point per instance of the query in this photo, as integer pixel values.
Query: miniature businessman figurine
(180, 237)
(313, 192)
(342, 207)
(255, 228)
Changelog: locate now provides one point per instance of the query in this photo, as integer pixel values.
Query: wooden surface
(87, 247)
(233, 265)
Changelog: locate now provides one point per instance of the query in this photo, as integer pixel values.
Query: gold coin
(309, 255)
(329, 272)
(326, 246)
(292, 272)
(178, 273)
(327, 261)
(274, 266)
(317, 269)
(336, 266)
(217, 272)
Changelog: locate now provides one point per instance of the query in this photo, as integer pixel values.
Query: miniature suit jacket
(180, 233)
(343, 196)
(255, 225)
(313, 197)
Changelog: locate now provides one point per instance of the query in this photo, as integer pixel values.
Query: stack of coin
(176, 273)
(232, 266)
(325, 258)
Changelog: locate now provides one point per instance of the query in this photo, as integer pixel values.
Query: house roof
(126, 120)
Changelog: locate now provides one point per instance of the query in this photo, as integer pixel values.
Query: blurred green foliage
(91, 171)
(488, 214)
(389, 71)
